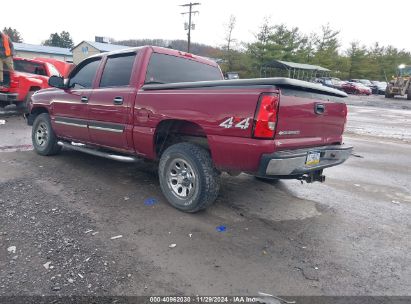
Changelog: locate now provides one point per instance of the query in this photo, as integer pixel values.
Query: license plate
(313, 158)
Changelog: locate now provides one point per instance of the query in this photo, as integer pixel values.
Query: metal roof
(25, 47)
(105, 47)
(293, 65)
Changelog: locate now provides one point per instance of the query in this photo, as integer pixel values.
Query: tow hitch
(316, 176)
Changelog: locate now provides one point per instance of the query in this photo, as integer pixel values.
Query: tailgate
(307, 119)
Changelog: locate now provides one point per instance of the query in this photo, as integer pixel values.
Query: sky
(365, 21)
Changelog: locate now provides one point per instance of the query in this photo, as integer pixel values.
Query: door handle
(84, 99)
(118, 100)
(319, 108)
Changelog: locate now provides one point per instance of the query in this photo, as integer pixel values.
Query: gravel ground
(379, 101)
(348, 236)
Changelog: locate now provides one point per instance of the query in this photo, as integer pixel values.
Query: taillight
(266, 116)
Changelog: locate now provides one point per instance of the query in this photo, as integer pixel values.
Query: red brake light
(266, 116)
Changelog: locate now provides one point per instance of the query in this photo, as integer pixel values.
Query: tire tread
(52, 146)
(211, 179)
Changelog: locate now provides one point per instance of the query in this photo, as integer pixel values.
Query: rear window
(29, 67)
(117, 70)
(169, 69)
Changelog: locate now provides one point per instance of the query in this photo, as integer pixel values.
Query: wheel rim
(181, 179)
(41, 134)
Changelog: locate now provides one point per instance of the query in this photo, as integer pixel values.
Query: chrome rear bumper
(293, 162)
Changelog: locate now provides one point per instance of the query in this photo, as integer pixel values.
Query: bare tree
(229, 41)
(229, 33)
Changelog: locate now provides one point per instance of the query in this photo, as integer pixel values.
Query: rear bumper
(292, 162)
(8, 97)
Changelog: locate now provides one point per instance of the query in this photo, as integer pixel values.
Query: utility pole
(190, 26)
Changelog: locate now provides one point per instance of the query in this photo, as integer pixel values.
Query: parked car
(331, 82)
(232, 75)
(175, 108)
(381, 86)
(355, 88)
(367, 83)
(29, 75)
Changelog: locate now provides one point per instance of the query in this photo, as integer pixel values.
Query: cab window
(117, 70)
(83, 76)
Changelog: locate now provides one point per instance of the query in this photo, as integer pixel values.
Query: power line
(190, 26)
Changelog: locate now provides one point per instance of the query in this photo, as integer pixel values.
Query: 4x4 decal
(230, 123)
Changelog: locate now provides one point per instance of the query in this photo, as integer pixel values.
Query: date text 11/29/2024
(203, 299)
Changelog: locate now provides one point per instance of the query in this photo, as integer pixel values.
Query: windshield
(53, 70)
(365, 81)
(29, 67)
(405, 71)
(361, 85)
(337, 81)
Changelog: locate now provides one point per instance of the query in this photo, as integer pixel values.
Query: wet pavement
(380, 122)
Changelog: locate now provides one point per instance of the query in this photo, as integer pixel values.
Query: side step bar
(81, 148)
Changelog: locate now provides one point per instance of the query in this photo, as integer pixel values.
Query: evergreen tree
(13, 34)
(62, 40)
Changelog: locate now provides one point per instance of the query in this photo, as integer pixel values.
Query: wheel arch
(172, 131)
(34, 113)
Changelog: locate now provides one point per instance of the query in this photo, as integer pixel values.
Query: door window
(83, 76)
(117, 70)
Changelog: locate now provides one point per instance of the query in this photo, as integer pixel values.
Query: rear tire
(43, 137)
(409, 94)
(188, 178)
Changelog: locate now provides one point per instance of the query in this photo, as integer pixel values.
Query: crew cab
(174, 108)
(29, 75)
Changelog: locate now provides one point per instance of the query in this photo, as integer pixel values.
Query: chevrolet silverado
(176, 109)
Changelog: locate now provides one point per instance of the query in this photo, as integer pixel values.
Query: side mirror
(57, 82)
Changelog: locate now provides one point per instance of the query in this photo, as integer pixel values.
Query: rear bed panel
(209, 108)
(209, 104)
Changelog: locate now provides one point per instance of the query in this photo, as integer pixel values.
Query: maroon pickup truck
(174, 108)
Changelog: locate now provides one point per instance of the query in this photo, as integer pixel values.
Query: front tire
(388, 94)
(188, 178)
(43, 137)
(409, 94)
